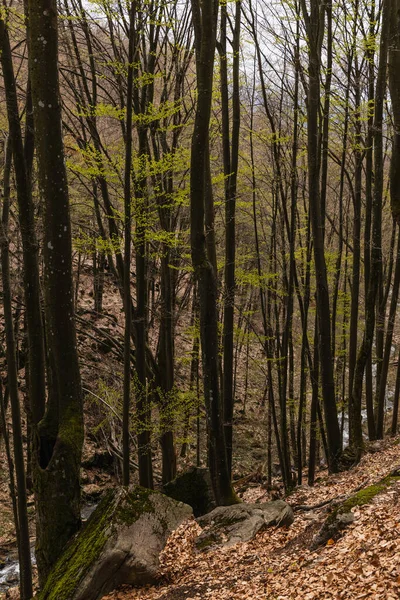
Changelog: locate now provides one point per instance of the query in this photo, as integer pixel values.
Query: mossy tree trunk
(60, 433)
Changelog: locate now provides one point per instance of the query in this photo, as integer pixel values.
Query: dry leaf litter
(278, 565)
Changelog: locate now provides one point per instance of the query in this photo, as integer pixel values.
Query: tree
(127, 250)
(203, 253)
(314, 22)
(60, 432)
(20, 505)
(231, 160)
(376, 240)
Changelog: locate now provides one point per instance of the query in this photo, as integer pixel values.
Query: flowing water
(9, 567)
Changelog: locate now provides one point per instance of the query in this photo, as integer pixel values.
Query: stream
(389, 397)
(9, 570)
(388, 408)
(9, 565)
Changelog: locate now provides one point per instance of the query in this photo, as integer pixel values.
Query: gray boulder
(120, 544)
(193, 488)
(228, 525)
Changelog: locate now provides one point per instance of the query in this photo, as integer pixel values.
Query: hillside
(278, 565)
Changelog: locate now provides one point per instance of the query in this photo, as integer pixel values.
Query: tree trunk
(21, 521)
(231, 158)
(376, 251)
(205, 23)
(381, 393)
(57, 468)
(394, 87)
(127, 253)
(36, 354)
(315, 28)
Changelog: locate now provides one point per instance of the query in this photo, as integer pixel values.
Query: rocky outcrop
(193, 488)
(228, 525)
(120, 544)
(341, 515)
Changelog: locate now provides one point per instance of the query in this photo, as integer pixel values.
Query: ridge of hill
(279, 565)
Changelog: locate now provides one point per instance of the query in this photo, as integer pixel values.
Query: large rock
(228, 525)
(193, 488)
(120, 544)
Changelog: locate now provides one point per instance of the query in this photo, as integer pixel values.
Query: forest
(200, 272)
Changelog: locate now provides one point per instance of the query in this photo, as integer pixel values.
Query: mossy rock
(342, 516)
(193, 488)
(120, 544)
(227, 525)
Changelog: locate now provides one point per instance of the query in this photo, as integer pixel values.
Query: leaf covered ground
(278, 564)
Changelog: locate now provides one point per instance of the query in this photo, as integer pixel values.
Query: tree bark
(231, 159)
(36, 354)
(315, 27)
(57, 468)
(24, 550)
(201, 202)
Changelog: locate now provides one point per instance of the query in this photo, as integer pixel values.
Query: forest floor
(278, 563)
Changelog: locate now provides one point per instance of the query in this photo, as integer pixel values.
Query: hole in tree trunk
(47, 444)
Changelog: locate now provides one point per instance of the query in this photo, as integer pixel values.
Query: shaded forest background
(240, 161)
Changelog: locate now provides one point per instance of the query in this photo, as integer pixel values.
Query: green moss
(80, 554)
(334, 524)
(123, 506)
(135, 504)
(365, 496)
(362, 497)
(71, 431)
(205, 542)
(232, 498)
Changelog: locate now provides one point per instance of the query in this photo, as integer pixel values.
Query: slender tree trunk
(354, 417)
(313, 416)
(36, 354)
(395, 415)
(127, 252)
(394, 87)
(205, 23)
(24, 550)
(376, 249)
(381, 395)
(303, 363)
(368, 212)
(231, 159)
(315, 27)
(143, 407)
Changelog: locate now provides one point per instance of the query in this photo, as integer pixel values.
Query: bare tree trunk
(315, 28)
(395, 415)
(36, 354)
(231, 158)
(201, 202)
(381, 395)
(376, 249)
(24, 550)
(127, 252)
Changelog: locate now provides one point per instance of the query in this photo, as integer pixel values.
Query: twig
(108, 406)
(342, 498)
